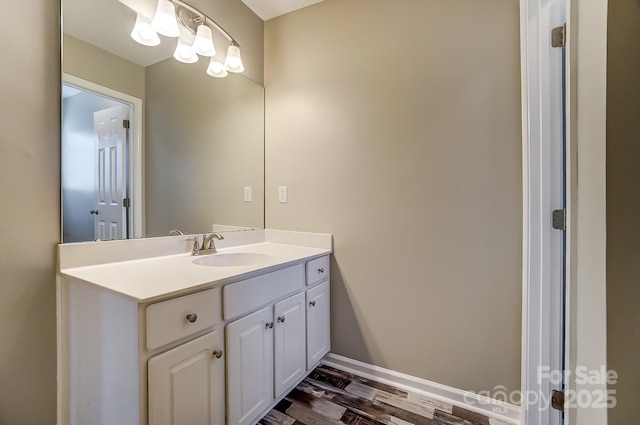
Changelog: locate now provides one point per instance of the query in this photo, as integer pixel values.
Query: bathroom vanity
(149, 334)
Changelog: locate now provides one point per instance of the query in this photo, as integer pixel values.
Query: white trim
(312, 240)
(542, 340)
(492, 408)
(135, 152)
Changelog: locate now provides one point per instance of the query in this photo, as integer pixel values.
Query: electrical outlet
(248, 196)
(283, 194)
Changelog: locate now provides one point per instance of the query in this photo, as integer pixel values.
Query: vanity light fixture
(143, 33)
(233, 63)
(217, 69)
(175, 18)
(203, 44)
(184, 52)
(164, 21)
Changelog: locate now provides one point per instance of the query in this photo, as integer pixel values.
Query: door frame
(538, 195)
(585, 301)
(136, 212)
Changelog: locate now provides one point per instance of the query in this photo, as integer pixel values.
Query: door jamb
(536, 339)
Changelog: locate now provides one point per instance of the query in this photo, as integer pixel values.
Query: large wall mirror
(150, 144)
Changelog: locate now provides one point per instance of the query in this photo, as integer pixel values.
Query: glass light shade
(143, 33)
(164, 21)
(203, 44)
(216, 69)
(184, 52)
(233, 62)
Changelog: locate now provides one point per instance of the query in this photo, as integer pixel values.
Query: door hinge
(126, 203)
(126, 124)
(559, 219)
(559, 36)
(557, 400)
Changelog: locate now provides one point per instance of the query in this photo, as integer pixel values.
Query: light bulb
(203, 44)
(184, 52)
(216, 69)
(143, 33)
(233, 62)
(164, 21)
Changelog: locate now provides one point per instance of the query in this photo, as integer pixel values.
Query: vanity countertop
(153, 278)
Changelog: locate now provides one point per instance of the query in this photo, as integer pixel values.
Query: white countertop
(150, 279)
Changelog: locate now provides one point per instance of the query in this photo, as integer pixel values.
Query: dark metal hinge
(559, 219)
(557, 400)
(126, 124)
(559, 36)
(126, 203)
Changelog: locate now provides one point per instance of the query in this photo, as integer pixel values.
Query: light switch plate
(283, 194)
(248, 195)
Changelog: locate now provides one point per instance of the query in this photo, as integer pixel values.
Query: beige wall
(623, 206)
(29, 211)
(396, 127)
(90, 63)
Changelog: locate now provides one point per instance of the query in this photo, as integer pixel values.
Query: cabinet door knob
(268, 325)
(312, 303)
(217, 354)
(321, 270)
(192, 317)
(281, 319)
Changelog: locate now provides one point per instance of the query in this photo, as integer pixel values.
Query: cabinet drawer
(247, 295)
(317, 270)
(177, 318)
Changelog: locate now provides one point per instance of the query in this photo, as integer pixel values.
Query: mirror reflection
(150, 144)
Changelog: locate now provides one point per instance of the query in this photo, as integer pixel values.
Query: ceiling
(268, 9)
(107, 24)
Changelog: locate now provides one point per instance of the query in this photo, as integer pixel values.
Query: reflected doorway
(98, 170)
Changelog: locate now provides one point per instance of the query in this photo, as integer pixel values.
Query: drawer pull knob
(321, 270)
(268, 325)
(281, 319)
(312, 303)
(217, 354)
(192, 317)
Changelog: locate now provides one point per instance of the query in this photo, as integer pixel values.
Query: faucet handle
(196, 246)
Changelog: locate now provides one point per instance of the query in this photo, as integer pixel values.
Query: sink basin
(231, 259)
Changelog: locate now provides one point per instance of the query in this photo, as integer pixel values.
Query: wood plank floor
(330, 396)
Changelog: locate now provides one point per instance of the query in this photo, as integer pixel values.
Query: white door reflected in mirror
(95, 178)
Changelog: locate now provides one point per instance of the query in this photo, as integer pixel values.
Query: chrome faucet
(208, 246)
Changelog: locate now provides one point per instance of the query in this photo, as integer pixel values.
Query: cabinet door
(249, 366)
(186, 384)
(318, 333)
(289, 342)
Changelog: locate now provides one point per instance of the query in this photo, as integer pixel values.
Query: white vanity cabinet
(266, 356)
(272, 349)
(222, 355)
(318, 323)
(250, 366)
(130, 363)
(186, 384)
(289, 342)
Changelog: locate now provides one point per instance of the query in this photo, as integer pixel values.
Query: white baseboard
(500, 411)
